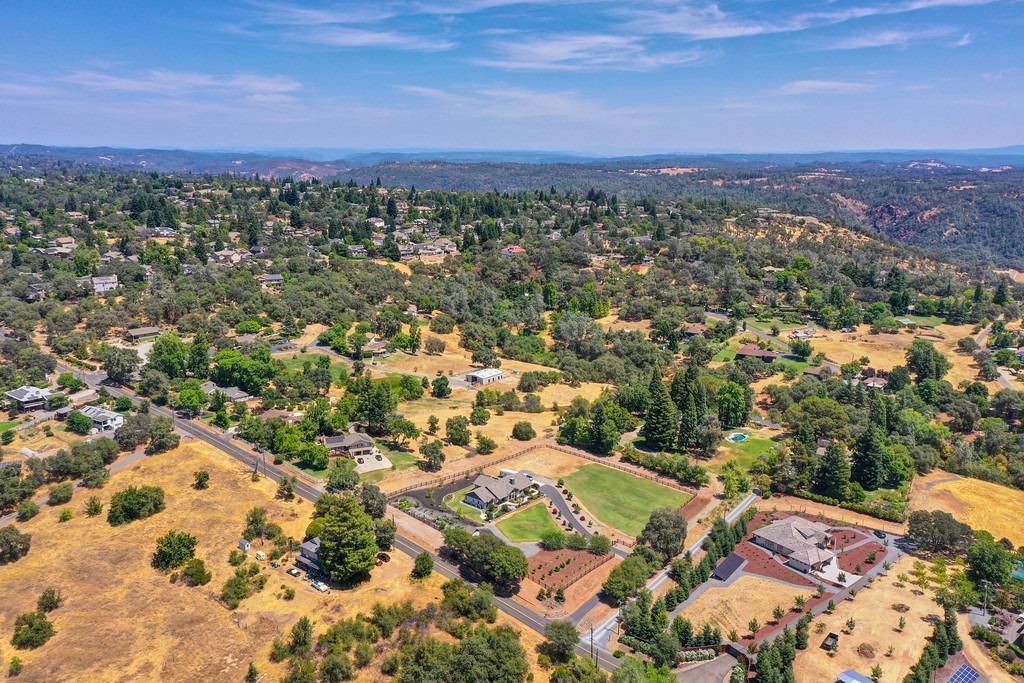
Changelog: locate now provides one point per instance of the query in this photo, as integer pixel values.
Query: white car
(321, 586)
(294, 571)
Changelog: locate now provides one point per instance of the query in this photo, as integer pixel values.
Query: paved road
(1005, 380)
(312, 492)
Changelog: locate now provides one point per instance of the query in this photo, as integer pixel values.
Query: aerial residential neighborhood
(512, 341)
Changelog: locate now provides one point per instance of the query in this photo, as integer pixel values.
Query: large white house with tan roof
(806, 545)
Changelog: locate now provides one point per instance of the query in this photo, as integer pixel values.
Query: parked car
(879, 533)
(261, 556)
(320, 586)
(275, 565)
(294, 571)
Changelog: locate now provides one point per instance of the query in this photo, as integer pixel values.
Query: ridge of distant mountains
(966, 203)
(334, 163)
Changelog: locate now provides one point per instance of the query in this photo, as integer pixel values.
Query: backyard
(619, 499)
(528, 525)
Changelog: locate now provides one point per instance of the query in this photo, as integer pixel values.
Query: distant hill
(968, 202)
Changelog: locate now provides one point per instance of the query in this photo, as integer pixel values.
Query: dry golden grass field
(886, 351)
(874, 632)
(981, 504)
(123, 620)
(749, 597)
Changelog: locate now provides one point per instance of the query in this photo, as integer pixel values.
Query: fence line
(555, 446)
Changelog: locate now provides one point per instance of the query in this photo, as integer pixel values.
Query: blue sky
(600, 76)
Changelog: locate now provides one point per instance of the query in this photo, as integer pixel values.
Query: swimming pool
(737, 437)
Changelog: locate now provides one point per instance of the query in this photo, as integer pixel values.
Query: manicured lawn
(528, 525)
(930, 320)
(746, 452)
(620, 499)
(298, 360)
(4, 426)
(766, 325)
(727, 353)
(453, 501)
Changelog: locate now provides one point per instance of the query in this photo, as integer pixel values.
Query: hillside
(968, 204)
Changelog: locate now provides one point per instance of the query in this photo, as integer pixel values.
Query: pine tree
(689, 421)
(868, 460)
(660, 424)
(834, 471)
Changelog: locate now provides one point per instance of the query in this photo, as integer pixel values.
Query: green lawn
(527, 525)
(766, 325)
(4, 426)
(400, 459)
(620, 499)
(727, 353)
(746, 452)
(298, 360)
(453, 501)
(929, 320)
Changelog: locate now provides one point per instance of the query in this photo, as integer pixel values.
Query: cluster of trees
(660, 540)
(943, 643)
(352, 530)
(494, 561)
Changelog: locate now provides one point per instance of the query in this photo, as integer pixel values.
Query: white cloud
(708, 21)
(965, 40)
(508, 102)
(581, 52)
(346, 26)
(887, 38)
(24, 90)
(165, 82)
(815, 87)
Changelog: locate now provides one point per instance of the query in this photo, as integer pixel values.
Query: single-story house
(851, 676)
(876, 382)
(233, 394)
(694, 330)
(102, 419)
(309, 556)
(291, 417)
(356, 445)
(512, 250)
(821, 447)
(28, 397)
(489, 490)
(755, 351)
(138, 334)
(271, 280)
(805, 544)
(377, 347)
(484, 376)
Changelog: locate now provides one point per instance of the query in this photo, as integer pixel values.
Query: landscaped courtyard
(619, 499)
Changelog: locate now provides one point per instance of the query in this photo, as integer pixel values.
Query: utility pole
(593, 653)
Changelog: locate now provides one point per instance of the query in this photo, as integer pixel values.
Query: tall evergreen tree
(869, 460)
(660, 424)
(834, 471)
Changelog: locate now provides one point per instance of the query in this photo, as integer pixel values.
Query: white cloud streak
(816, 87)
(583, 52)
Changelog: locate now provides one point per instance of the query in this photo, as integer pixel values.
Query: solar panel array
(964, 674)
